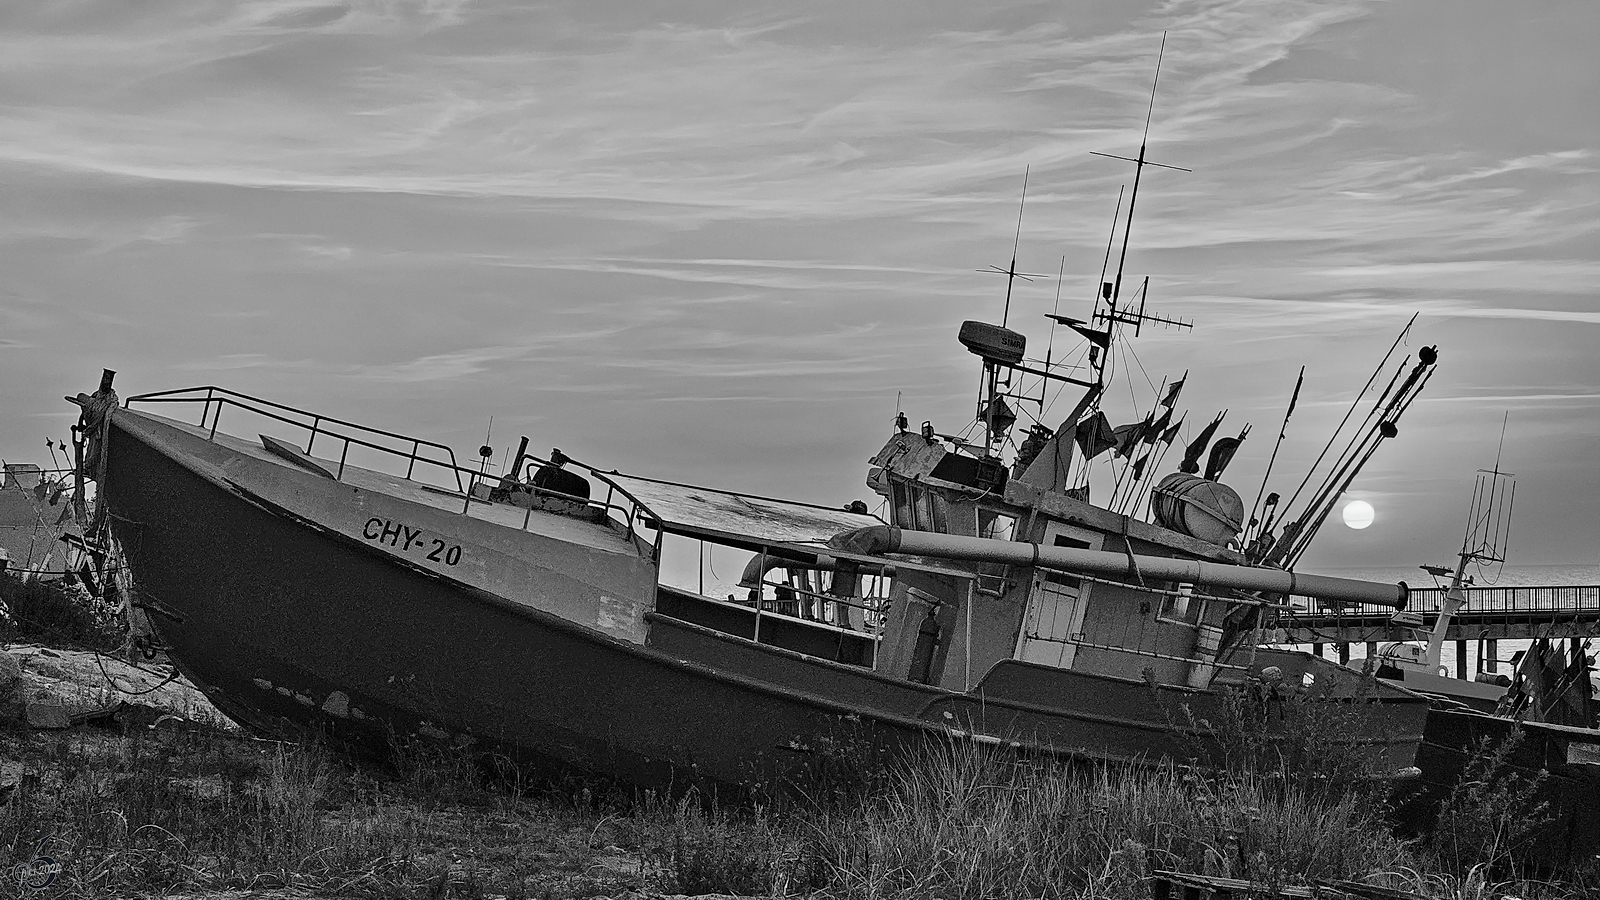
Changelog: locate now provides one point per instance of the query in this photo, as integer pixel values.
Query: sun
(1358, 514)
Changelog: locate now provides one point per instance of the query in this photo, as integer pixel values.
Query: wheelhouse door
(1054, 621)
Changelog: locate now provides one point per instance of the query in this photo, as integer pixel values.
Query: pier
(1492, 614)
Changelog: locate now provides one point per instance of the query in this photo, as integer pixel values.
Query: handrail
(221, 397)
(634, 515)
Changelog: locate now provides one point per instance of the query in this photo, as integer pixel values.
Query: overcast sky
(711, 241)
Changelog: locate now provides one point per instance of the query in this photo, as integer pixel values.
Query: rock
(48, 715)
(88, 686)
(10, 675)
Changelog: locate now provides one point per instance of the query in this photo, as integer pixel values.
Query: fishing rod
(1353, 404)
(1393, 406)
(1283, 432)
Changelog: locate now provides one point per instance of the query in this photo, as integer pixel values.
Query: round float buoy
(1208, 510)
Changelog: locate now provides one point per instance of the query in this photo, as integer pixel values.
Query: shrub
(971, 822)
(58, 613)
(1492, 815)
(695, 846)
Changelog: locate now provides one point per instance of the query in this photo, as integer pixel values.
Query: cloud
(440, 366)
(750, 225)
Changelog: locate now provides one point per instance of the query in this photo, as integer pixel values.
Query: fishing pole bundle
(1379, 424)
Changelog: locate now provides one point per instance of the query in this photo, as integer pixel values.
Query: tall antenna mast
(1011, 273)
(1139, 164)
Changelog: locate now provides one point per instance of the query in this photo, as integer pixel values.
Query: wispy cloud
(696, 215)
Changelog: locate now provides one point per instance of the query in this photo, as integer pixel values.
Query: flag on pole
(1191, 456)
(1158, 428)
(1129, 436)
(1096, 436)
(1171, 433)
(1222, 454)
(1173, 390)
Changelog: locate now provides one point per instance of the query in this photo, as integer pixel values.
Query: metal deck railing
(619, 506)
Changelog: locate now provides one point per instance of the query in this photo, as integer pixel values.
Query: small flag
(1095, 436)
(1129, 436)
(1222, 454)
(1173, 391)
(1102, 339)
(1156, 430)
(1191, 456)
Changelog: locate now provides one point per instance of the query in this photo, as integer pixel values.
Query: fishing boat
(294, 587)
(303, 569)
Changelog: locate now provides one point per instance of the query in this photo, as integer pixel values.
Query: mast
(1487, 538)
(1138, 170)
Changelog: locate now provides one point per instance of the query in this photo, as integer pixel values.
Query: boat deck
(603, 536)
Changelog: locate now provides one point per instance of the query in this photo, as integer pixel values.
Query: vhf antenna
(1011, 273)
(1489, 519)
(1139, 164)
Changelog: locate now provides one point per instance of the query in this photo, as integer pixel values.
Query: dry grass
(968, 823)
(164, 812)
(159, 813)
(154, 813)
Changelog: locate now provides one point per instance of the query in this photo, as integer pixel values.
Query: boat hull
(282, 624)
(285, 620)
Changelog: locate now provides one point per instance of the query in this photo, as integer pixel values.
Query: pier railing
(1536, 600)
(416, 454)
(1515, 612)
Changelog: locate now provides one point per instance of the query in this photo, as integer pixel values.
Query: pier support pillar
(1491, 654)
(1344, 654)
(1316, 649)
(1461, 660)
(1372, 650)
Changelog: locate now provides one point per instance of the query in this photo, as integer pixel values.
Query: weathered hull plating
(280, 618)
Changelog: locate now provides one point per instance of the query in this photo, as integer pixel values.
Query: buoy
(1208, 510)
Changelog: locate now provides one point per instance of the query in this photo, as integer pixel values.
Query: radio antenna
(1011, 273)
(1139, 164)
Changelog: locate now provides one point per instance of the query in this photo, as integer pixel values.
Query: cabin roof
(684, 507)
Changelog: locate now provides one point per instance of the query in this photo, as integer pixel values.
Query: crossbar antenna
(1139, 164)
(1139, 317)
(1011, 273)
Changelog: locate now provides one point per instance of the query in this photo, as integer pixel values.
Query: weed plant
(970, 822)
(1491, 817)
(696, 846)
(152, 813)
(57, 613)
(155, 813)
